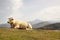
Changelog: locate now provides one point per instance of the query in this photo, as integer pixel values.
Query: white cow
(19, 24)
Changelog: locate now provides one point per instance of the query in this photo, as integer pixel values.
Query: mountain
(46, 24)
(40, 24)
(5, 25)
(52, 26)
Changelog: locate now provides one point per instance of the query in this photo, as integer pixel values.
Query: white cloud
(17, 4)
(50, 13)
(48, 10)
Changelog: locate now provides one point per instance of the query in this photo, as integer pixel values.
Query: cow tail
(29, 26)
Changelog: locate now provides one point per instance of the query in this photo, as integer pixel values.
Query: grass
(35, 34)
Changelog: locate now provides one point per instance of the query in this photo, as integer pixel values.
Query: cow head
(10, 20)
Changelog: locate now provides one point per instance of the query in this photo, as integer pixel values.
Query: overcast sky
(29, 10)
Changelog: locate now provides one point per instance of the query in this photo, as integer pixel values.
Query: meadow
(35, 34)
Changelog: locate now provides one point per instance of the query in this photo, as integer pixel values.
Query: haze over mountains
(36, 21)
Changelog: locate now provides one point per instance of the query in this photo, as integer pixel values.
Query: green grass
(35, 34)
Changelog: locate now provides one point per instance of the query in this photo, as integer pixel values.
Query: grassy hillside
(19, 34)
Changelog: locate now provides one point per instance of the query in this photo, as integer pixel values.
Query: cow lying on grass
(19, 24)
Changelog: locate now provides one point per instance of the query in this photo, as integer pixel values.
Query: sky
(29, 10)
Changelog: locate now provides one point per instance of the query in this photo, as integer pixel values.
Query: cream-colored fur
(19, 24)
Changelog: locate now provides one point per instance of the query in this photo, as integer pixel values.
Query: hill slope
(40, 24)
(55, 26)
(19, 34)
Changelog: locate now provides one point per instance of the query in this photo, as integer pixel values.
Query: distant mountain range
(40, 24)
(54, 26)
(46, 24)
(5, 25)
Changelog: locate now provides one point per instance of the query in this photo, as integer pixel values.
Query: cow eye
(7, 22)
(12, 19)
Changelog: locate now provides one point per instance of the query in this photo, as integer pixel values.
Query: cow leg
(17, 26)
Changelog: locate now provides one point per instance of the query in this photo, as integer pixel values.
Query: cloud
(4, 11)
(30, 9)
(45, 10)
(50, 13)
(17, 4)
(41, 9)
(10, 8)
